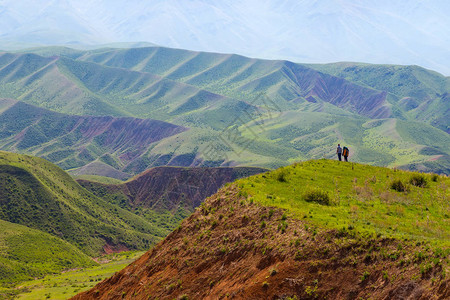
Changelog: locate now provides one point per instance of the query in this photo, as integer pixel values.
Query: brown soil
(231, 248)
(170, 187)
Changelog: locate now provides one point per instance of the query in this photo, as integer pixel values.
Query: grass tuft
(399, 186)
(318, 196)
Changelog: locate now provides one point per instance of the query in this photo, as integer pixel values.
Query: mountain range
(316, 31)
(206, 109)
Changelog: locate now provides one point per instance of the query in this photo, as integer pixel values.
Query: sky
(408, 32)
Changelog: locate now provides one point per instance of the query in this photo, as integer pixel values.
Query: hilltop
(317, 229)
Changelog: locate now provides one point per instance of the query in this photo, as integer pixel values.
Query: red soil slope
(231, 248)
(168, 187)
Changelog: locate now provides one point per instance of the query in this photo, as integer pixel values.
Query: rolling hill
(402, 32)
(317, 229)
(76, 141)
(39, 195)
(238, 110)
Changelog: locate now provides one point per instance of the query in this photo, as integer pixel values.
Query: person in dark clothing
(345, 153)
(339, 151)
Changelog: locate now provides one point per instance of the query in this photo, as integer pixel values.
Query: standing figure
(345, 152)
(339, 151)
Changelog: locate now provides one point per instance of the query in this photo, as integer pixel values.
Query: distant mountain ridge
(244, 111)
(314, 31)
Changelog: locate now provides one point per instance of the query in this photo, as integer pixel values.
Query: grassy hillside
(340, 195)
(319, 229)
(28, 253)
(75, 141)
(245, 111)
(421, 93)
(40, 195)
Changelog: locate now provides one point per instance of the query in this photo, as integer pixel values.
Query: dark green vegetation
(359, 198)
(387, 115)
(66, 223)
(39, 195)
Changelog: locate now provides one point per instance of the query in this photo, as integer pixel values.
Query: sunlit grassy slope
(28, 253)
(361, 198)
(68, 284)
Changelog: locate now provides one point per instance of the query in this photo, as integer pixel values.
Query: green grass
(70, 283)
(360, 198)
(28, 253)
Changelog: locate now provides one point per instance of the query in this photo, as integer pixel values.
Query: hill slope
(309, 31)
(166, 195)
(39, 195)
(275, 235)
(75, 141)
(28, 253)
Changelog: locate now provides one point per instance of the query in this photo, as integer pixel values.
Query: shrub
(317, 196)
(399, 186)
(434, 178)
(281, 176)
(418, 180)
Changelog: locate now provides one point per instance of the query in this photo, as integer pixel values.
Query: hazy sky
(382, 31)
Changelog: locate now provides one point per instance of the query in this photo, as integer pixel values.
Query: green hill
(318, 229)
(422, 94)
(243, 111)
(28, 253)
(39, 195)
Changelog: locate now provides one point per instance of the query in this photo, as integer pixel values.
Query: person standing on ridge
(345, 152)
(339, 151)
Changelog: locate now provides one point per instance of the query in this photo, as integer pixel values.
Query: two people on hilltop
(342, 152)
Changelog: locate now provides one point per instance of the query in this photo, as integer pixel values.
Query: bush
(281, 176)
(418, 180)
(318, 196)
(399, 186)
(435, 178)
